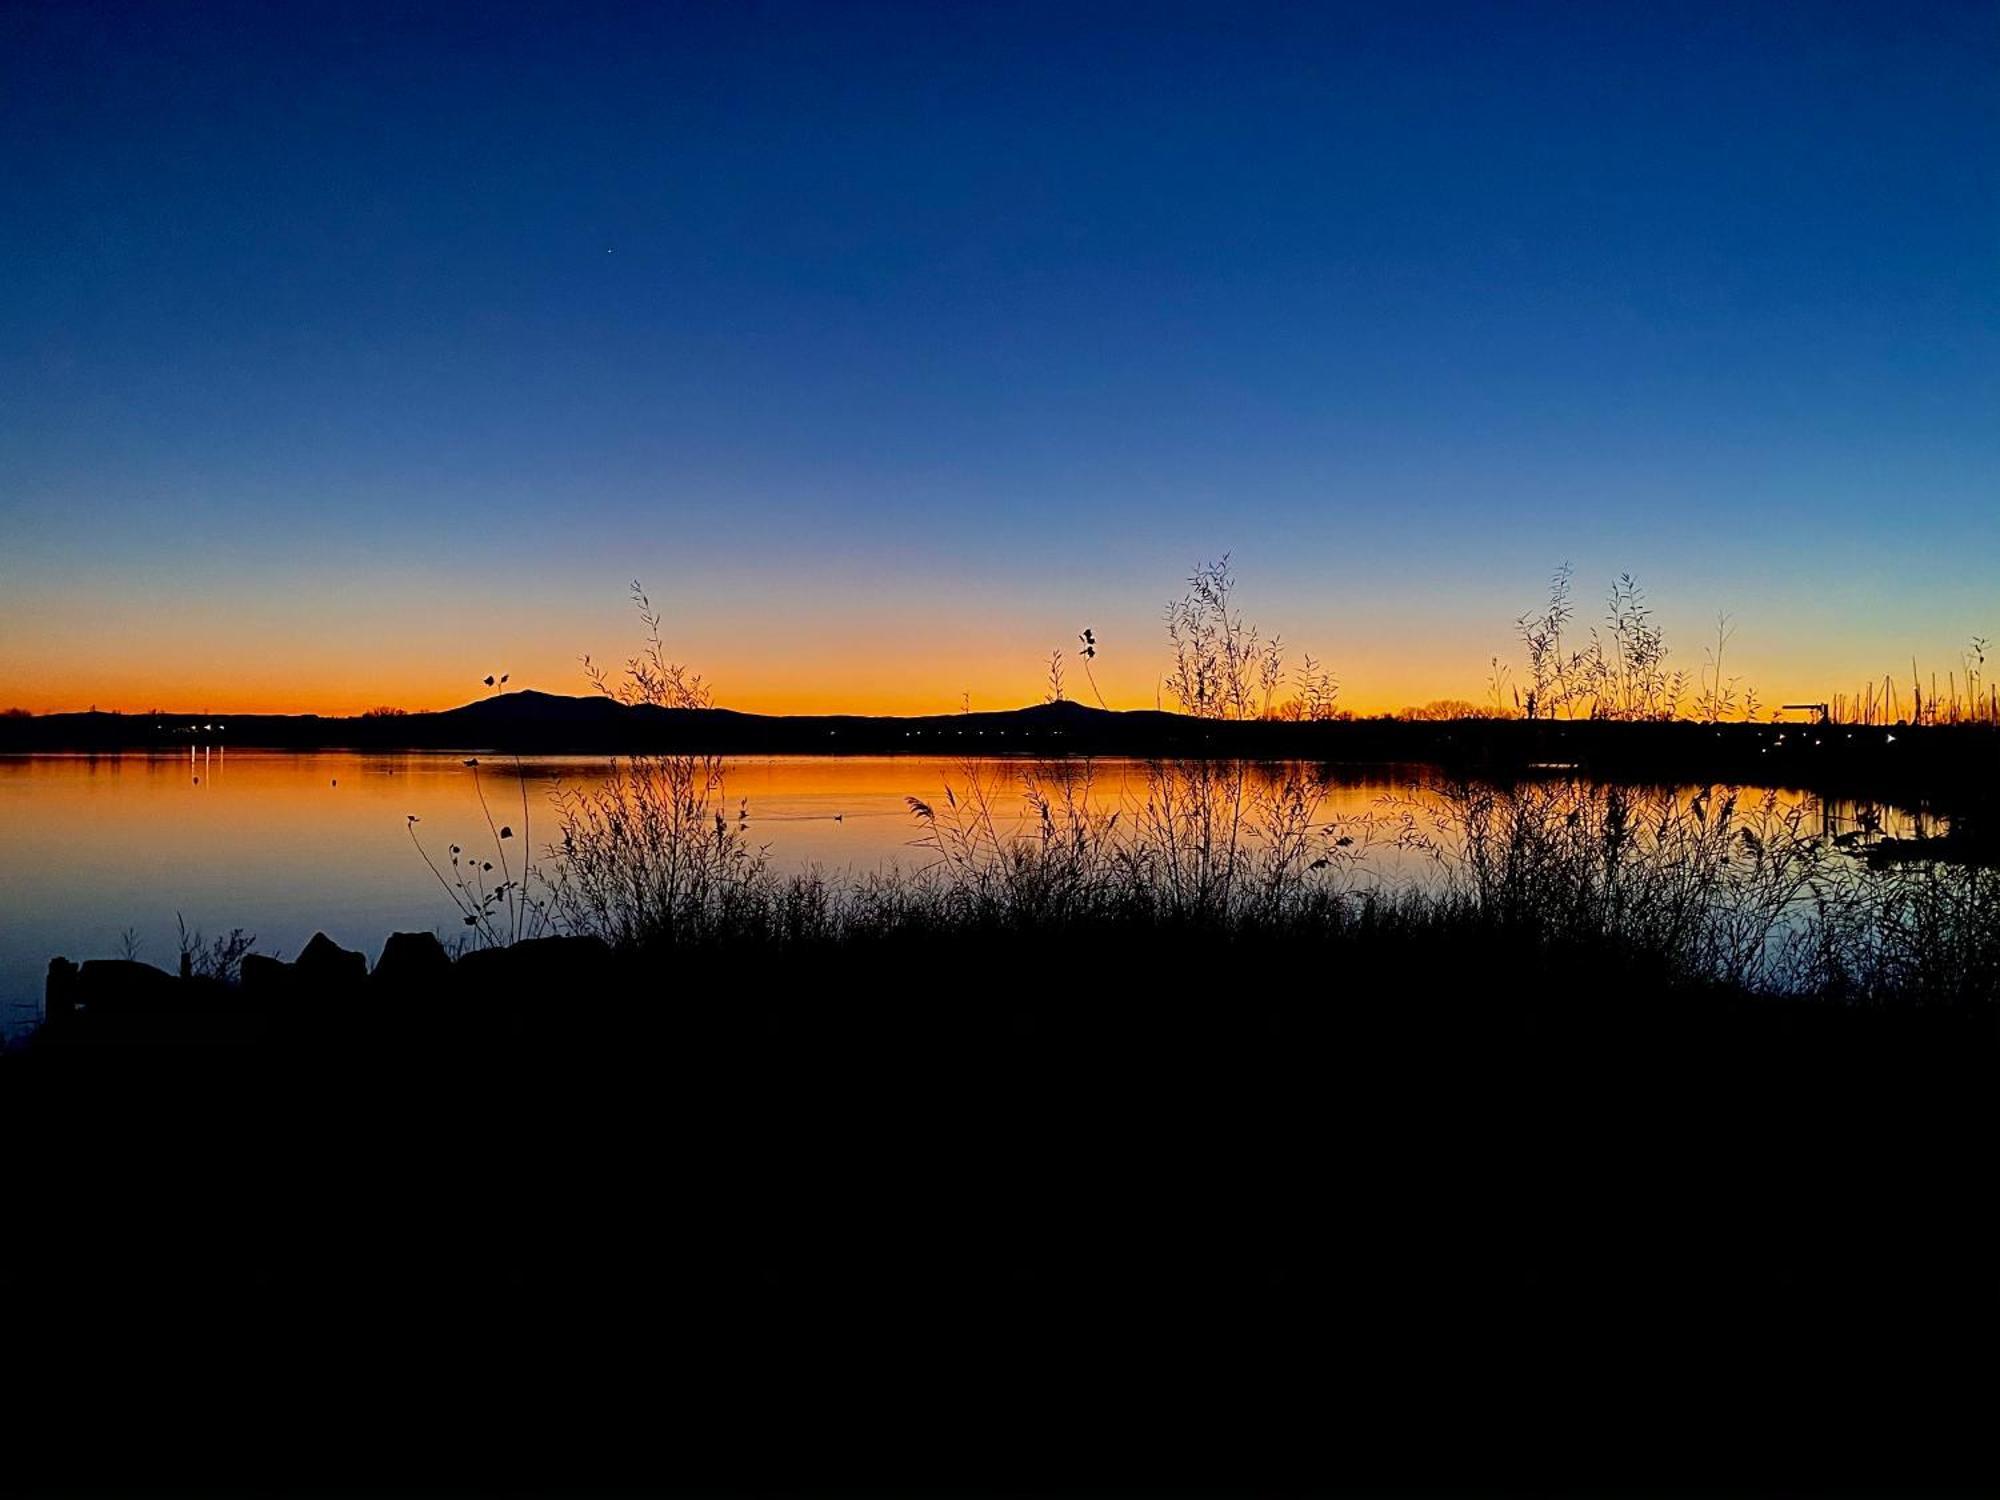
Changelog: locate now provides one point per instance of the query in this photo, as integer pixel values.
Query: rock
(121, 986)
(549, 962)
(534, 984)
(60, 997)
(324, 964)
(412, 960)
(264, 976)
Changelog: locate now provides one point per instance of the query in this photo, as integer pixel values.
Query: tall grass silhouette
(1704, 886)
(654, 854)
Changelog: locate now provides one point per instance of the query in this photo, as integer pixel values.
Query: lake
(101, 853)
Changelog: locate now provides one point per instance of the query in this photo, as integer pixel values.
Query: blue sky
(349, 345)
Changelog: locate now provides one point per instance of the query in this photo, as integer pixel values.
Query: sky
(349, 353)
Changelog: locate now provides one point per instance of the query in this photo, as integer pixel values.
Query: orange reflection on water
(284, 845)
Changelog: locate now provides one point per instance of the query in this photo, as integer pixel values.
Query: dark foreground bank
(991, 1212)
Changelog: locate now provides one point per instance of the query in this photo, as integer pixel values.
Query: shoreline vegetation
(1727, 906)
(1595, 821)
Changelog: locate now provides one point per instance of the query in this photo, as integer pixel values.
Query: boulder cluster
(117, 1000)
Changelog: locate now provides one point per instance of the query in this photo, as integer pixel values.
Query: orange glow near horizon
(826, 652)
(1370, 684)
(842, 638)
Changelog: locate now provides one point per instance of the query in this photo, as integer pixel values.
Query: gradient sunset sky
(350, 353)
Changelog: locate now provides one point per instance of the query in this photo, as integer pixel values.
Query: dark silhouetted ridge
(1950, 764)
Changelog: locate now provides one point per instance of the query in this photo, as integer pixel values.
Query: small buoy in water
(336, 781)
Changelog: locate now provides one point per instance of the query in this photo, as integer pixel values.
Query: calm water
(285, 845)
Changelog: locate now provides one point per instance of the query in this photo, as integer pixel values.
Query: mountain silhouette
(1953, 764)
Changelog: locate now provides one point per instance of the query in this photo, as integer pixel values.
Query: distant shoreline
(1947, 762)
